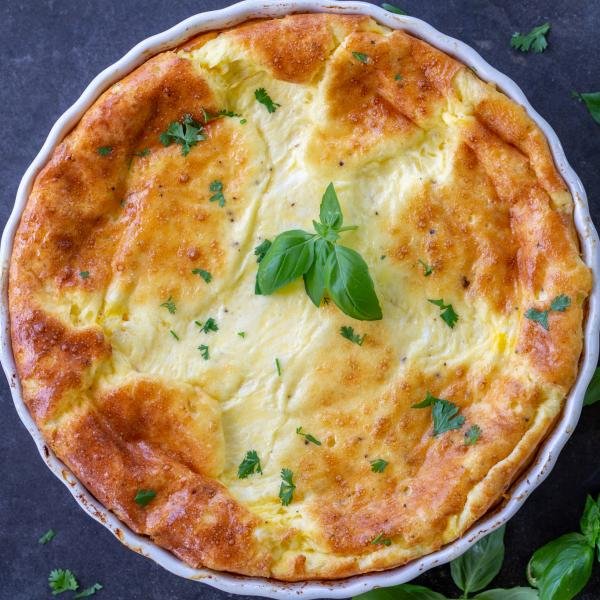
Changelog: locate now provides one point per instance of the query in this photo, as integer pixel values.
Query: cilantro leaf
(90, 591)
(263, 97)
(249, 465)
(534, 41)
(207, 116)
(105, 150)
(560, 303)
(448, 314)
(47, 537)
(278, 367)
(592, 103)
(381, 541)
(84, 274)
(427, 269)
(143, 497)
(210, 325)
(217, 187)
(592, 394)
(308, 437)
(62, 580)
(174, 335)
(378, 465)
(170, 305)
(204, 351)
(262, 249)
(361, 57)
(204, 274)
(242, 334)
(287, 487)
(472, 435)
(186, 133)
(348, 333)
(398, 77)
(393, 9)
(539, 316)
(444, 413)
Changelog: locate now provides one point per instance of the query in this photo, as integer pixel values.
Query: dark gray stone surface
(51, 49)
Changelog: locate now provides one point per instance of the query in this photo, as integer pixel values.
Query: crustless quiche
(325, 418)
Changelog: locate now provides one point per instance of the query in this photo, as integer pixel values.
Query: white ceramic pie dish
(547, 454)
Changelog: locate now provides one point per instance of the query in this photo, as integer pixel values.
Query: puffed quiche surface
(456, 197)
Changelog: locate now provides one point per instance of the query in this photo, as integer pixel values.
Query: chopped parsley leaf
(187, 134)
(559, 304)
(170, 305)
(278, 365)
(142, 153)
(472, 435)
(427, 269)
(263, 97)
(361, 57)
(62, 580)
(217, 188)
(308, 437)
(381, 541)
(392, 8)
(445, 414)
(84, 274)
(47, 537)
(174, 334)
(287, 487)
(448, 314)
(534, 41)
(378, 465)
(143, 497)
(262, 249)
(207, 116)
(204, 351)
(348, 333)
(243, 121)
(250, 465)
(210, 325)
(104, 150)
(398, 77)
(90, 591)
(204, 274)
(242, 334)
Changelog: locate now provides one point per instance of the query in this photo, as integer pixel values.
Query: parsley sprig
(216, 187)
(62, 580)
(209, 325)
(559, 304)
(378, 465)
(249, 465)
(348, 333)
(186, 133)
(534, 41)
(47, 537)
(287, 487)
(263, 97)
(379, 540)
(204, 274)
(170, 305)
(445, 414)
(325, 265)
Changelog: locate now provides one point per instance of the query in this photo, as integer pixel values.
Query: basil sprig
(326, 267)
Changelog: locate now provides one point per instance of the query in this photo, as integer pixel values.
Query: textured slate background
(51, 49)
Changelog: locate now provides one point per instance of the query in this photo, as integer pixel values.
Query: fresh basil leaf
(476, 568)
(350, 285)
(331, 212)
(590, 521)
(406, 591)
(592, 394)
(393, 9)
(518, 593)
(314, 278)
(289, 257)
(561, 568)
(592, 103)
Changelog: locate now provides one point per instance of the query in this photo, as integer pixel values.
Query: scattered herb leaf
(204, 351)
(278, 366)
(263, 97)
(217, 188)
(287, 487)
(204, 274)
(427, 269)
(170, 305)
(592, 394)
(348, 333)
(186, 133)
(378, 465)
(398, 77)
(262, 249)
(308, 437)
(361, 57)
(174, 335)
(472, 435)
(445, 414)
(534, 41)
(104, 150)
(62, 580)
(143, 497)
(392, 8)
(559, 304)
(250, 465)
(592, 103)
(87, 592)
(448, 314)
(47, 537)
(84, 274)
(208, 326)
(242, 334)
(142, 153)
(381, 541)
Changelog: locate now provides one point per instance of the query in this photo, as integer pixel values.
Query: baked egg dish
(299, 299)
